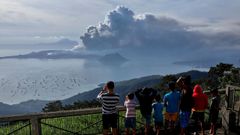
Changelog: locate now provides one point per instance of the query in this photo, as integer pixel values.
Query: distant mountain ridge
(23, 107)
(122, 88)
(108, 59)
(53, 54)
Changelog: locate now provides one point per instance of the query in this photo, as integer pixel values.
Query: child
(130, 117)
(214, 111)
(171, 101)
(109, 100)
(157, 114)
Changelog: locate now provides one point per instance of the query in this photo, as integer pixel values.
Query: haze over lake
(24, 79)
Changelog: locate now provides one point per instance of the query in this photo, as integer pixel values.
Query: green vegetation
(86, 124)
(57, 105)
(10, 127)
(223, 74)
(74, 124)
(218, 77)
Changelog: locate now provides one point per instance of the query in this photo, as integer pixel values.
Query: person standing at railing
(130, 117)
(109, 101)
(145, 97)
(199, 107)
(158, 114)
(186, 102)
(171, 102)
(214, 110)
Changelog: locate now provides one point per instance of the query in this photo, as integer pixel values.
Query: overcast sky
(31, 21)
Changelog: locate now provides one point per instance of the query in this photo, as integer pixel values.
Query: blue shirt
(157, 113)
(172, 101)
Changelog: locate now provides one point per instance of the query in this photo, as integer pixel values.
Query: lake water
(24, 79)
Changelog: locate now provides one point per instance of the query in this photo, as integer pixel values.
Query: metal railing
(232, 97)
(52, 121)
(20, 128)
(231, 110)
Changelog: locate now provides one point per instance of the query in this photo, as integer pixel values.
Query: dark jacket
(187, 101)
(145, 97)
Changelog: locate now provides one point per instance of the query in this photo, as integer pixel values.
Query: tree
(53, 106)
(223, 74)
(163, 86)
(219, 70)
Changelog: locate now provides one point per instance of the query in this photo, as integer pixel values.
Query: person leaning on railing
(109, 101)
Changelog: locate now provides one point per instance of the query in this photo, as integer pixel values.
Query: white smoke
(122, 29)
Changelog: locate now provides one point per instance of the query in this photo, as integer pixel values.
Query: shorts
(184, 118)
(158, 123)
(130, 122)
(171, 116)
(198, 116)
(147, 119)
(109, 120)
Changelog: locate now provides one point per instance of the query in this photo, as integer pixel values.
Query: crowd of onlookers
(180, 103)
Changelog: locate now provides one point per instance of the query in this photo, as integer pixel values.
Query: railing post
(36, 126)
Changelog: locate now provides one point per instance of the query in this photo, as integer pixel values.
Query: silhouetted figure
(186, 103)
(145, 97)
(214, 111)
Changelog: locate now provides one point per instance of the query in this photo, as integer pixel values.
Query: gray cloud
(122, 28)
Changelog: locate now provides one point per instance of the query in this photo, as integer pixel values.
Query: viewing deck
(44, 123)
(89, 121)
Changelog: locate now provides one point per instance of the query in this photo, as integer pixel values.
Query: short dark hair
(187, 80)
(130, 96)
(158, 98)
(171, 85)
(110, 85)
(145, 90)
(214, 91)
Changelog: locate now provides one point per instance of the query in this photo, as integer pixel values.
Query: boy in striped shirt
(109, 101)
(130, 117)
